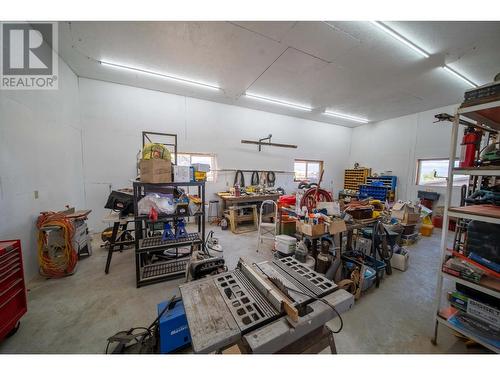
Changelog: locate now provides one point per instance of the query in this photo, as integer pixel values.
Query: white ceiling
(348, 67)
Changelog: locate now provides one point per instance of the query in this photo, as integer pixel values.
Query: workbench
(244, 198)
(233, 203)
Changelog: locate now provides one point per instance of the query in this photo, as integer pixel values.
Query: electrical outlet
(35, 193)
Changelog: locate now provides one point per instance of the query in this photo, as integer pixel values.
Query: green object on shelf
(288, 228)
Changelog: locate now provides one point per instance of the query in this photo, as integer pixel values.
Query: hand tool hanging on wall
(239, 178)
(271, 178)
(255, 178)
(260, 143)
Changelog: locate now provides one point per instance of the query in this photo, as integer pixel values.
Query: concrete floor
(78, 313)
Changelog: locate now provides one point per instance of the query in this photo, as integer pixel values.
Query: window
(192, 158)
(307, 170)
(432, 172)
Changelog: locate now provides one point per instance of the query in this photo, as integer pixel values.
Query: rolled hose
(66, 263)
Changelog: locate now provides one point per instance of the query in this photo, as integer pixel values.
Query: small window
(307, 170)
(192, 158)
(433, 172)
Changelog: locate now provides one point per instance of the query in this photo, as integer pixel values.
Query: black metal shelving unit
(147, 243)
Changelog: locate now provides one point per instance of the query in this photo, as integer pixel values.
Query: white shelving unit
(486, 114)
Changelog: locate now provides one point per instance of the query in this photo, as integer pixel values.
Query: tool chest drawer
(13, 304)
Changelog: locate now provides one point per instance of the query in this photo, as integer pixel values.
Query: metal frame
(469, 112)
(146, 134)
(268, 229)
(140, 189)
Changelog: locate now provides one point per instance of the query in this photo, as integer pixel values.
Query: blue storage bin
(375, 192)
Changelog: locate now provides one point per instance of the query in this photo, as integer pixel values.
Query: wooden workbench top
(248, 198)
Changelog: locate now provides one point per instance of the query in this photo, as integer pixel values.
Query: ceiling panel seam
(265, 70)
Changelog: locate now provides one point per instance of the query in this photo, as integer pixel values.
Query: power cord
(209, 237)
(145, 339)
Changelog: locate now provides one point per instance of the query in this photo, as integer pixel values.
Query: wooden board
(210, 322)
(248, 198)
(488, 210)
(79, 214)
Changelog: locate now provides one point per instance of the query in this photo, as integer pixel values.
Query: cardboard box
(332, 208)
(337, 226)
(156, 171)
(182, 173)
(405, 213)
(311, 229)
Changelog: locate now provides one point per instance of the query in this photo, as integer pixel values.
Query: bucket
(426, 230)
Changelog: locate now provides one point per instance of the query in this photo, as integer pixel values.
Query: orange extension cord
(61, 266)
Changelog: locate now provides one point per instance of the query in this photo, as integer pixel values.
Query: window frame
(445, 182)
(307, 161)
(211, 177)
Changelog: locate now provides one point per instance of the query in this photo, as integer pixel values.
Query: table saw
(262, 307)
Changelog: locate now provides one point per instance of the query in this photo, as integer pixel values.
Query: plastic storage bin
(285, 244)
(376, 192)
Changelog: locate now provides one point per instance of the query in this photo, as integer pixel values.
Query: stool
(213, 206)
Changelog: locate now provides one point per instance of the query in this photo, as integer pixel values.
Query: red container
(452, 225)
(287, 200)
(13, 302)
(437, 221)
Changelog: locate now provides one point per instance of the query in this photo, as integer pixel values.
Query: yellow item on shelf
(376, 214)
(427, 220)
(200, 176)
(156, 151)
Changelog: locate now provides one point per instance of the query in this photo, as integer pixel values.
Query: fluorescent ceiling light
(458, 75)
(401, 38)
(278, 101)
(161, 75)
(347, 117)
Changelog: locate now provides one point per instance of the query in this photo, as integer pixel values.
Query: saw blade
(279, 284)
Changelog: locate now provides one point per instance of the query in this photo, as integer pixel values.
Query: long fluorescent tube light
(277, 101)
(400, 38)
(161, 75)
(458, 75)
(347, 117)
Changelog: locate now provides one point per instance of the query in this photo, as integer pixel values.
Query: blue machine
(173, 326)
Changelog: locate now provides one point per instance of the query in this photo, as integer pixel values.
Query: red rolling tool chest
(13, 304)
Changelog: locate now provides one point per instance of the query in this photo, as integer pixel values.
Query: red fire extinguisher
(470, 145)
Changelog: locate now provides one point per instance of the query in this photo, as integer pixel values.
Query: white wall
(43, 133)
(113, 117)
(398, 143)
(40, 149)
